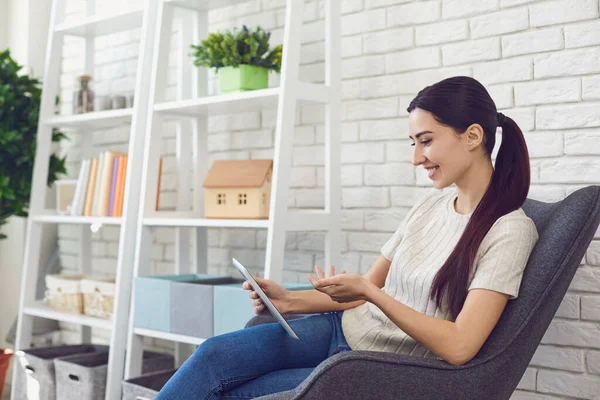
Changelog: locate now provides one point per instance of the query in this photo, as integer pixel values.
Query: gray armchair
(566, 229)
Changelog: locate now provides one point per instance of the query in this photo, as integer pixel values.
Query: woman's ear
(474, 135)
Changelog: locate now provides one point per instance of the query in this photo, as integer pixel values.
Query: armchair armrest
(381, 375)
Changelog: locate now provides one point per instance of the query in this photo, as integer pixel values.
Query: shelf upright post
(284, 133)
(33, 240)
(156, 69)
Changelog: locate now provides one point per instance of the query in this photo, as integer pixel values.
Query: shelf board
(203, 4)
(97, 119)
(98, 25)
(221, 104)
(166, 218)
(41, 310)
(50, 216)
(174, 337)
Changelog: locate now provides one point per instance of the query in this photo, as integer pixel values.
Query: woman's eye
(425, 142)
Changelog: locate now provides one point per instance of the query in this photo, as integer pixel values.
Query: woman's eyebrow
(419, 134)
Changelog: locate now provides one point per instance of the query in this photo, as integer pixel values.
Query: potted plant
(5, 355)
(241, 58)
(19, 111)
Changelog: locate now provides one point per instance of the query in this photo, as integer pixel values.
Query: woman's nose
(417, 157)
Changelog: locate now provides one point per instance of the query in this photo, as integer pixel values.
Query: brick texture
(539, 60)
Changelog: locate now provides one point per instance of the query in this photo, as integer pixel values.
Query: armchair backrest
(565, 229)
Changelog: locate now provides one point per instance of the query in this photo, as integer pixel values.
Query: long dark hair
(459, 102)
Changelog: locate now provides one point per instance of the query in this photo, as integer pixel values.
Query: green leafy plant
(235, 47)
(19, 111)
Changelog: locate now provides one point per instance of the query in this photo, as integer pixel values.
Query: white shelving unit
(191, 110)
(88, 28)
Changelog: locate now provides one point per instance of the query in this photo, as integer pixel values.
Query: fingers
(320, 273)
(331, 271)
(253, 295)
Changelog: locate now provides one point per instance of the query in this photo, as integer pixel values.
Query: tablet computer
(267, 302)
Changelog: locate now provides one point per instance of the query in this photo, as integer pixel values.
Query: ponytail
(460, 102)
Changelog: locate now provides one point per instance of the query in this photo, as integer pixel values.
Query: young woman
(442, 279)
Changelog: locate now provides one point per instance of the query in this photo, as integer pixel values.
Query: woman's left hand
(343, 288)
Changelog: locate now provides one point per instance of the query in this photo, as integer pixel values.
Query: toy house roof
(237, 173)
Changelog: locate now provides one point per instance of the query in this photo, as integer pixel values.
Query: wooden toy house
(239, 189)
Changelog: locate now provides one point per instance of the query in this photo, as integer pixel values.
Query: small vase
(243, 78)
(83, 99)
(5, 355)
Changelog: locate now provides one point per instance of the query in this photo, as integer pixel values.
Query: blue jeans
(257, 361)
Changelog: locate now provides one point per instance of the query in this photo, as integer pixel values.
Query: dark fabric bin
(83, 377)
(35, 369)
(147, 386)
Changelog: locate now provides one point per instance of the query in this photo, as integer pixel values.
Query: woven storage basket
(63, 292)
(147, 386)
(98, 297)
(84, 377)
(35, 369)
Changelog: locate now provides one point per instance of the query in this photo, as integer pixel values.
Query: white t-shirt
(418, 249)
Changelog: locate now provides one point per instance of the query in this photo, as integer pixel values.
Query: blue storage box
(152, 299)
(195, 305)
(233, 306)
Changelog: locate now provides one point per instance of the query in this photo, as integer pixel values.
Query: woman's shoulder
(516, 221)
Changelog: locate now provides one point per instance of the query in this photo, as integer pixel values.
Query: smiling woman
(440, 284)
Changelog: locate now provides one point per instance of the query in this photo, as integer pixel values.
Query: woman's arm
(313, 301)
(456, 342)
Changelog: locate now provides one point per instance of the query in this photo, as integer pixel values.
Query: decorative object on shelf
(239, 189)
(20, 99)
(83, 99)
(63, 292)
(241, 57)
(119, 102)
(102, 103)
(98, 297)
(5, 356)
(130, 100)
(65, 193)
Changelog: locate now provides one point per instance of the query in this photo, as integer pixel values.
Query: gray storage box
(83, 377)
(35, 369)
(193, 308)
(147, 386)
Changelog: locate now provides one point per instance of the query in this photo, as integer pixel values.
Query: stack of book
(101, 186)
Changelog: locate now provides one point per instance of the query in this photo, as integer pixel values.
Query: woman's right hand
(278, 294)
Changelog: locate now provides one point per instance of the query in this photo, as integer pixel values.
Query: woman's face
(438, 146)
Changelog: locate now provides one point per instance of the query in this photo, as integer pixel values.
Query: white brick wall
(539, 60)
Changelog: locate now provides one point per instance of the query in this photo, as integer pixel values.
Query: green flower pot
(243, 78)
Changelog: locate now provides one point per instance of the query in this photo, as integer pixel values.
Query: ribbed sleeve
(508, 246)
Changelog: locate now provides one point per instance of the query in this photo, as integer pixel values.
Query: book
(105, 175)
(113, 187)
(79, 189)
(121, 185)
(158, 183)
(89, 196)
(96, 199)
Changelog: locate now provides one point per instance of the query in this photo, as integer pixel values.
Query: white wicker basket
(98, 297)
(63, 292)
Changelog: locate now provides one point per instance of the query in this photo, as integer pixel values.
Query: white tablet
(267, 302)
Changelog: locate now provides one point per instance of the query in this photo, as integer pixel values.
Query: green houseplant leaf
(19, 111)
